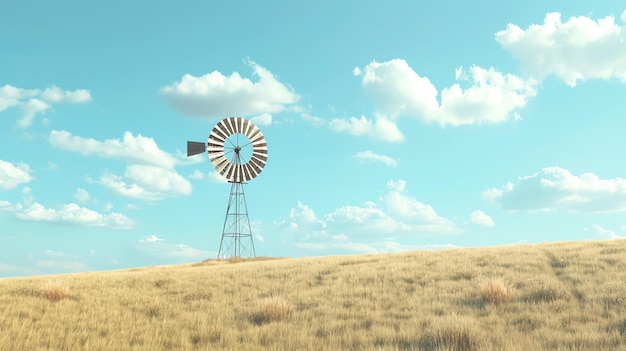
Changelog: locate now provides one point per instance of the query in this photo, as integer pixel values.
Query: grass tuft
(273, 308)
(55, 290)
(495, 290)
(454, 333)
(548, 291)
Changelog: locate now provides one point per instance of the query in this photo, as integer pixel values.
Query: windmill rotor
(236, 148)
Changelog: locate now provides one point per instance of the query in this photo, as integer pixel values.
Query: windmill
(238, 151)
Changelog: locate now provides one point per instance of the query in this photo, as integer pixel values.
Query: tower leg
(236, 234)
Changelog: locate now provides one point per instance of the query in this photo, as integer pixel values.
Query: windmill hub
(238, 160)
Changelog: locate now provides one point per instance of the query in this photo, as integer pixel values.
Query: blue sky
(391, 126)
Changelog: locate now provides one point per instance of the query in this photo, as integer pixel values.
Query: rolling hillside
(564, 296)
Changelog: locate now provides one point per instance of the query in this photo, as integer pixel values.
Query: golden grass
(566, 296)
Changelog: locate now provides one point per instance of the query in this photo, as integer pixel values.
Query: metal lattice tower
(237, 234)
(238, 151)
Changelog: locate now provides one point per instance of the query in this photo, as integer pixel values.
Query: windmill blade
(194, 148)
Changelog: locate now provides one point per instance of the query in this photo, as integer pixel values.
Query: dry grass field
(565, 296)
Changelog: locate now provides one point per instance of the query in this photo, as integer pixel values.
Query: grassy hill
(565, 296)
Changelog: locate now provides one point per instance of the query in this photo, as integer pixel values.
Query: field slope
(565, 296)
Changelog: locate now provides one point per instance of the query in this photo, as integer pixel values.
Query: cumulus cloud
(555, 188)
(30, 109)
(370, 227)
(11, 96)
(150, 172)
(481, 96)
(601, 233)
(11, 175)
(55, 94)
(303, 215)
(216, 96)
(578, 49)
(73, 214)
(147, 183)
(481, 218)
(34, 101)
(368, 155)
(380, 128)
(134, 149)
(413, 215)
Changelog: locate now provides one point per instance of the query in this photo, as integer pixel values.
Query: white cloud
(302, 214)
(492, 97)
(30, 109)
(150, 239)
(55, 94)
(216, 96)
(134, 149)
(381, 128)
(73, 214)
(11, 175)
(34, 101)
(367, 219)
(11, 96)
(188, 252)
(397, 89)
(264, 119)
(148, 183)
(413, 215)
(602, 234)
(575, 50)
(555, 188)
(479, 217)
(81, 195)
(623, 16)
(356, 71)
(370, 227)
(150, 173)
(158, 247)
(372, 156)
(489, 97)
